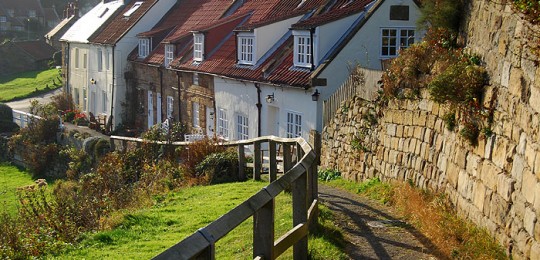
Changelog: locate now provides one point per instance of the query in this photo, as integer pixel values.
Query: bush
(6, 113)
(219, 167)
(459, 84)
(446, 14)
(329, 174)
(8, 127)
(196, 152)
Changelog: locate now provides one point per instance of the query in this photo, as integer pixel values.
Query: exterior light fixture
(270, 98)
(315, 96)
(93, 81)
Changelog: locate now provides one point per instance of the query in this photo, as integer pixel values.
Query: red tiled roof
(39, 50)
(339, 10)
(120, 25)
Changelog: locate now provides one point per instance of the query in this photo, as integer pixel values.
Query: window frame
(246, 48)
(222, 123)
(293, 127)
(242, 127)
(196, 79)
(391, 50)
(169, 55)
(303, 49)
(198, 47)
(170, 107)
(77, 57)
(144, 47)
(104, 101)
(3, 19)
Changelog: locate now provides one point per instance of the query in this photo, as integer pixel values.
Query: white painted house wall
(116, 82)
(78, 74)
(241, 98)
(365, 47)
(328, 34)
(266, 36)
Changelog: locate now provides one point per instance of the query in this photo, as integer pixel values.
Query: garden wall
(494, 183)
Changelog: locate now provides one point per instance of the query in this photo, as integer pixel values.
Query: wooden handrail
(301, 178)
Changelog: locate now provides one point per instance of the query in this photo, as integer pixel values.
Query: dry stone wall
(494, 183)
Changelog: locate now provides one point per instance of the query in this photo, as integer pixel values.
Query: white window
(107, 60)
(85, 60)
(170, 106)
(394, 40)
(32, 13)
(246, 50)
(195, 78)
(77, 58)
(242, 127)
(144, 47)
(294, 124)
(77, 96)
(222, 123)
(3, 27)
(104, 101)
(134, 8)
(302, 49)
(195, 114)
(198, 46)
(99, 59)
(169, 54)
(3, 19)
(11, 12)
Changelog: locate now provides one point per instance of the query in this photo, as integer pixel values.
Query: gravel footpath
(372, 230)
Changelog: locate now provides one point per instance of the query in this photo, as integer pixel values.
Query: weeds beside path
(372, 231)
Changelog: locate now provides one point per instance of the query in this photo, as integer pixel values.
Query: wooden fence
(22, 118)
(363, 82)
(299, 162)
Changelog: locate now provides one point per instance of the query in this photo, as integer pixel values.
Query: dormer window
(144, 47)
(198, 47)
(169, 54)
(246, 49)
(302, 49)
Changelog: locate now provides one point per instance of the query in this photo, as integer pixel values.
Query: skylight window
(133, 9)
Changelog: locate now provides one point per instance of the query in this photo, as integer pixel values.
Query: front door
(150, 109)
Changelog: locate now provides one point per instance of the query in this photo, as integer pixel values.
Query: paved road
(372, 230)
(24, 104)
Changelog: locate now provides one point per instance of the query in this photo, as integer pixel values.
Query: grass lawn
(146, 233)
(23, 85)
(10, 179)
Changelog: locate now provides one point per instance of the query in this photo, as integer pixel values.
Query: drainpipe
(259, 107)
(67, 59)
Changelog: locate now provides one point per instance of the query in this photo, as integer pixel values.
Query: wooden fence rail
(301, 178)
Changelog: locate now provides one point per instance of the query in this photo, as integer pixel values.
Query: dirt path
(372, 231)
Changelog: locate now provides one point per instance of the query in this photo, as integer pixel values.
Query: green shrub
(329, 174)
(8, 127)
(219, 167)
(446, 14)
(458, 84)
(6, 113)
(470, 132)
(450, 120)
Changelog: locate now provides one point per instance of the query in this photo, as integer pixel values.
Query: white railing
(22, 118)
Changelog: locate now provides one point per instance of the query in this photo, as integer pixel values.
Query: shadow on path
(371, 229)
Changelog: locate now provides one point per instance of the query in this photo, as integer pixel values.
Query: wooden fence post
(263, 231)
(315, 140)
(273, 161)
(241, 162)
(300, 207)
(287, 157)
(257, 161)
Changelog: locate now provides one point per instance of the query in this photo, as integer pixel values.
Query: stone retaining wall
(495, 183)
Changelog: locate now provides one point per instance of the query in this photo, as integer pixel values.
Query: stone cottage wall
(495, 183)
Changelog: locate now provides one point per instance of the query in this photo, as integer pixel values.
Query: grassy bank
(11, 178)
(27, 84)
(145, 233)
(433, 216)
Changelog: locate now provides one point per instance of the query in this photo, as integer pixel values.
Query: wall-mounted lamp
(315, 96)
(93, 81)
(270, 98)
